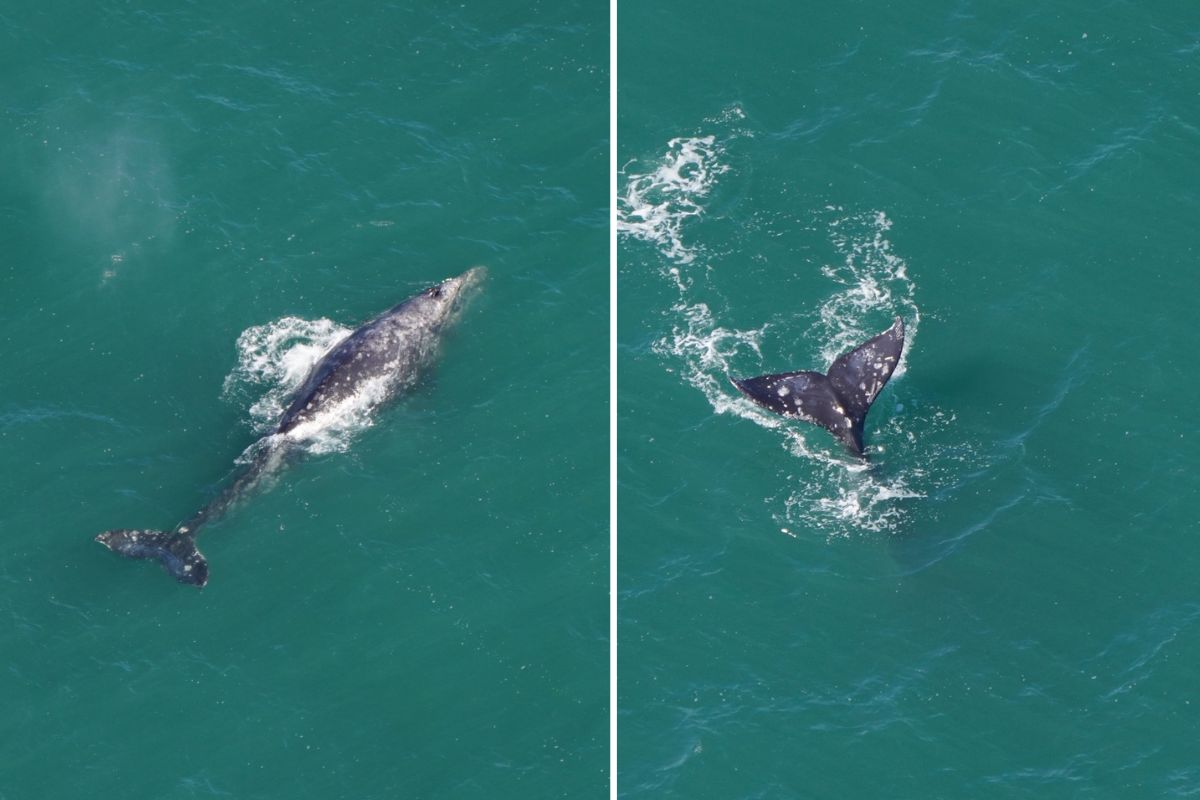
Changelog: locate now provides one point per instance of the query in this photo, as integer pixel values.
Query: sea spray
(662, 204)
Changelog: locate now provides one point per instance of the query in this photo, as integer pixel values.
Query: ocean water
(198, 200)
(1004, 604)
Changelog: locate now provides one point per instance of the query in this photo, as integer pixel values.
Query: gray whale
(378, 361)
(840, 399)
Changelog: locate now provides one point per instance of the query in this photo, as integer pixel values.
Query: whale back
(382, 357)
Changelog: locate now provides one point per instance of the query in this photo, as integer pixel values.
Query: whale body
(378, 361)
(839, 399)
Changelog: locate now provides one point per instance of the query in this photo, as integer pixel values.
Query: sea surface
(1005, 603)
(197, 201)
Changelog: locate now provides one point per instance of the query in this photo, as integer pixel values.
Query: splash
(873, 279)
(273, 360)
(707, 349)
(656, 205)
(871, 284)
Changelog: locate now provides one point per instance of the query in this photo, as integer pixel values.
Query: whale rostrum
(380, 360)
(840, 399)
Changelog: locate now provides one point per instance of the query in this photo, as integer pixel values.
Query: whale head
(441, 303)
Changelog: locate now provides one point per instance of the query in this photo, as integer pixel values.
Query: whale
(379, 361)
(839, 399)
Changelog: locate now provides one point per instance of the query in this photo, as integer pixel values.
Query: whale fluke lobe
(839, 400)
(176, 552)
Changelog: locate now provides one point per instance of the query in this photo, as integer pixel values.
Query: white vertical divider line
(612, 400)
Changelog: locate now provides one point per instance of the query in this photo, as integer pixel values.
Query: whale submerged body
(380, 360)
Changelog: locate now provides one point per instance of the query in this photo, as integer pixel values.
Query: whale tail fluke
(808, 396)
(840, 399)
(176, 552)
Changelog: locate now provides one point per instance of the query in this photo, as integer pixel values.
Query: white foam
(875, 280)
(273, 360)
(837, 494)
(874, 286)
(656, 204)
(706, 350)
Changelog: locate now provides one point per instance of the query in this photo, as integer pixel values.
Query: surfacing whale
(375, 363)
(840, 399)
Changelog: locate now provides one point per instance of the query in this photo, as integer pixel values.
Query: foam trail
(875, 280)
(662, 205)
(874, 286)
(656, 205)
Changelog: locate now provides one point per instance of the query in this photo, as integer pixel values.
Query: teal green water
(1006, 604)
(420, 612)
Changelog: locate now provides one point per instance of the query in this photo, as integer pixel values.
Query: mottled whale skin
(840, 399)
(378, 361)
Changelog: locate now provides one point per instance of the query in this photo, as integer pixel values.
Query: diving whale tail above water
(840, 399)
(375, 363)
